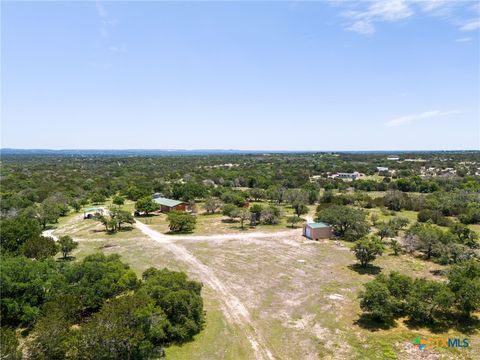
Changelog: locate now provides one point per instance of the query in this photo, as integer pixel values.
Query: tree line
(96, 308)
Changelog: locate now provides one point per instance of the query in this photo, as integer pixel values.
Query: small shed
(317, 231)
(167, 205)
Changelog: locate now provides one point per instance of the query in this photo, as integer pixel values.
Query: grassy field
(302, 295)
(208, 224)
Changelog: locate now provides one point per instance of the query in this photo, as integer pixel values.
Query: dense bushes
(14, 232)
(99, 277)
(447, 247)
(120, 316)
(471, 214)
(26, 285)
(433, 216)
(423, 301)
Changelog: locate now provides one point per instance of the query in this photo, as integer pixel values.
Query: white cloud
(106, 21)
(118, 48)
(465, 39)
(377, 11)
(425, 115)
(100, 10)
(362, 27)
(363, 16)
(442, 8)
(470, 25)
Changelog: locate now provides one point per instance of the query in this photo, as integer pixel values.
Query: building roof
(167, 202)
(93, 209)
(318, 225)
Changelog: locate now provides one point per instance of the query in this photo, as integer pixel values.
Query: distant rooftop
(167, 202)
(318, 225)
(92, 209)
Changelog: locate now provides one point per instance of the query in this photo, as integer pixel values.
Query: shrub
(271, 215)
(40, 248)
(181, 221)
(367, 249)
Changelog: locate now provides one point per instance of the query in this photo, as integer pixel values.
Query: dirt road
(233, 308)
(49, 233)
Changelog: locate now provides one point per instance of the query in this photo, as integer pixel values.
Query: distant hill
(133, 152)
(195, 152)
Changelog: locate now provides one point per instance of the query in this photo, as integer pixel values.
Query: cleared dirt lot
(273, 294)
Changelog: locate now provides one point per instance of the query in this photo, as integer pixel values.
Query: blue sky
(379, 75)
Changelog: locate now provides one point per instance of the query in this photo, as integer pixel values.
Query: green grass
(208, 224)
(377, 178)
(218, 340)
(410, 215)
(476, 228)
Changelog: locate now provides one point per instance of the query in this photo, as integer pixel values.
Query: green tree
(395, 200)
(300, 209)
(271, 215)
(97, 198)
(377, 301)
(52, 337)
(181, 221)
(179, 298)
(124, 217)
(134, 193)
(120, 217)
(298, 200)
(464, 282)
(243, 214)
(40, 247)
(118, 200)
(347, 222)
(230, 210)
(395, 246)
(367, 249)
(146, 205)
(256, 209)
(16, 231)
(294, 219)
(385, 230)
(26, 285)
(236, 198)
(75, 204)
(47, 212)
(465, 235)
(212, 205)
(385, 298)
(99, 277)
(428, 299)
(427, 238)
(399, 223)
(125, 328)
(257, 194)
(67, 245)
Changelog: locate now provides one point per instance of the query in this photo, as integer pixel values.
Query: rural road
(233, 308)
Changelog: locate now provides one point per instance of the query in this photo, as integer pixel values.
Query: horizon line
(232, 150)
